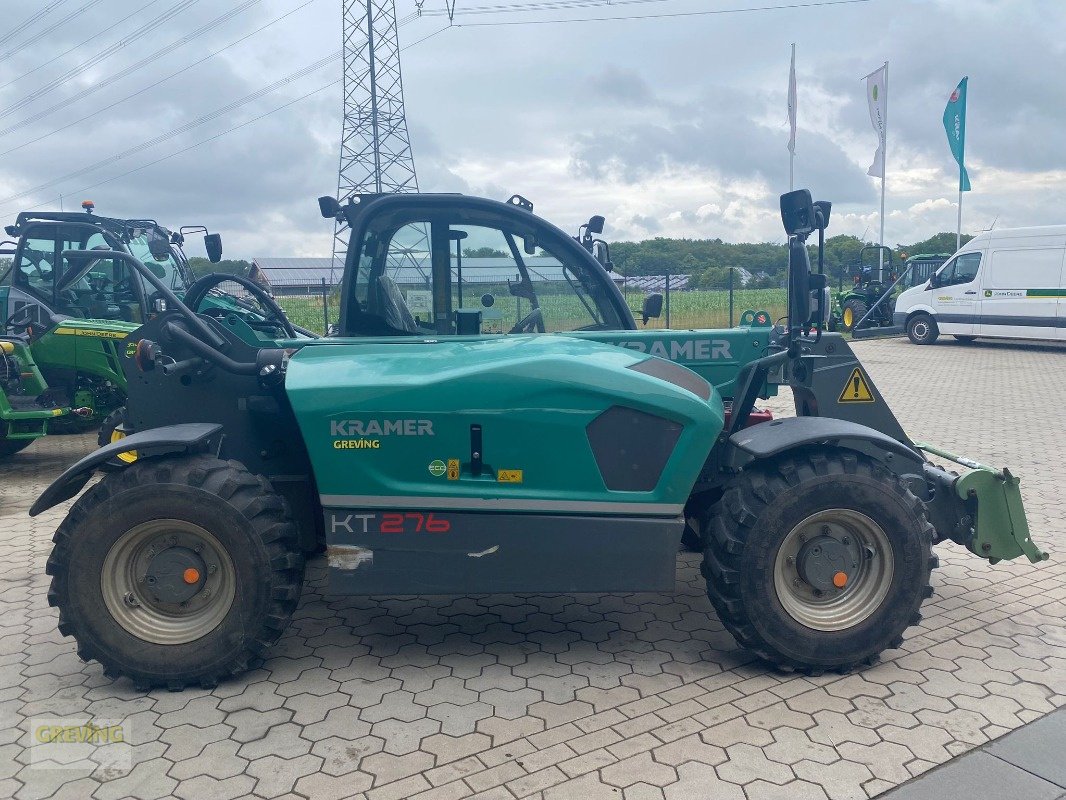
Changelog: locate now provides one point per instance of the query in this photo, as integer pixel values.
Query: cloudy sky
(673, 124)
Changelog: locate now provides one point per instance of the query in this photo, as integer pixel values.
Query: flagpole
(792, 150)
(884, 175)
(958, 227)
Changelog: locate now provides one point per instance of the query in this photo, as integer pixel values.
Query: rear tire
(8, 447)
(188, 520)
(922, 329)
(784, 526)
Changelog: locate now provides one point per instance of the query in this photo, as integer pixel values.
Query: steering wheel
(534, 320)
(198, 291)
(14, 323)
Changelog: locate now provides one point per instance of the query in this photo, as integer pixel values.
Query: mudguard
(771, 438)
(188, 437)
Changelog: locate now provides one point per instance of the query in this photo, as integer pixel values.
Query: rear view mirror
(652, 307)
(797, 213)
(596, 224)
(329, 207)
(529, 244)
(213, 245)
(823, 207)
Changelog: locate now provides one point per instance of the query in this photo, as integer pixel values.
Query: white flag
(877, 96)
(792, 103)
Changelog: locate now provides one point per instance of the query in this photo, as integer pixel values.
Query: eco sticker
(453, 469)
(509, 476)
(856, 390)
(437, 468)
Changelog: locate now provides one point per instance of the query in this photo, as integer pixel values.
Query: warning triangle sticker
(857, 389)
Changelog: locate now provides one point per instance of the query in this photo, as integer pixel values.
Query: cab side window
(35, 268)
(962, 270)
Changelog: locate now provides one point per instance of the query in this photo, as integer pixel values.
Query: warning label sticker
(453, 469)
(857, 389)
(509, 476)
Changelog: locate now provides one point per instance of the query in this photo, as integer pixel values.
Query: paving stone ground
(626, 697)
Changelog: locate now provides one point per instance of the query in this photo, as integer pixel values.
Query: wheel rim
(145, 581)
(130, 455)
(920, 329)
(849, 317)
(813, 554)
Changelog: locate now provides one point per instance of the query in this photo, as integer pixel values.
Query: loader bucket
(994, 501)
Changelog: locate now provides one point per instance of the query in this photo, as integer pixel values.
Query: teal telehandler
(435, 448)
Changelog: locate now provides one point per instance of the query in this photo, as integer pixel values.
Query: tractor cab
(76, 313)
(446, 265)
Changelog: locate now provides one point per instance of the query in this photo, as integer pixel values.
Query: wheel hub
(175, 575)
(833, 570)
(168, 581)
(826, 563)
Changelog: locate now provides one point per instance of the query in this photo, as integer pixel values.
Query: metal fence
(699, 305)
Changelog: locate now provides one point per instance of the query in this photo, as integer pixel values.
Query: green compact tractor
(865, 304)
(27, 407)
(516, 438)
(78, 314)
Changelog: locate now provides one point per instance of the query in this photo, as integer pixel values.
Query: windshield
(165, 267)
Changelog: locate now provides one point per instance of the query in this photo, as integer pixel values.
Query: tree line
(707, 261)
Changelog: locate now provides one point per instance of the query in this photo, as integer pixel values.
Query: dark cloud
(672, 126)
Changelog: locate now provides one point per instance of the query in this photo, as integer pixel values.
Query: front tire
(175, 572)
(922, 329)
(818, 561)
(854, 310)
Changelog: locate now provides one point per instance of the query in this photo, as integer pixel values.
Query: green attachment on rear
(1001, 530)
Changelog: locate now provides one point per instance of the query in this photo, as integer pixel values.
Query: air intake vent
(631, 447)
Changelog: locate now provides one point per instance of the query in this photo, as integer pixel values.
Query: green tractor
(78, 314)
(27, 408)
(866, 303)
(524, 438)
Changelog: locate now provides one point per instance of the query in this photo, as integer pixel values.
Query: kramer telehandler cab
(431, 461)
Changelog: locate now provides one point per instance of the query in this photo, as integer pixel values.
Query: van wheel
(967, 339)
(922, 329)
(177, 571)
(818, 561)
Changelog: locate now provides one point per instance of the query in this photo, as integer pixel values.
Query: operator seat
(392, 307)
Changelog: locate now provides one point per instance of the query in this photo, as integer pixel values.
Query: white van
(1005, 283)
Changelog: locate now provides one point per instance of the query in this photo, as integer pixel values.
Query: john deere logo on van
(381, 427)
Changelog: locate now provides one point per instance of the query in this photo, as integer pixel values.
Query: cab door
(957, 295)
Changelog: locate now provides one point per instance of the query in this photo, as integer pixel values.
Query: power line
(671, 15)
(107, 52)
(151, 86)
(545, 5)
(230, 130)
(16, 29)
(82, 43)
(300, 73)
(43, 34)
(104, 83)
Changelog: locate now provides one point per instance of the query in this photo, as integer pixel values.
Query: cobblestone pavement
(634, 696)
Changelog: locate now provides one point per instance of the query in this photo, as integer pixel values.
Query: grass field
(694, 309)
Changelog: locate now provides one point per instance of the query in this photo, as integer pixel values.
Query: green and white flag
(955, 127)
(877, 97)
